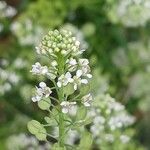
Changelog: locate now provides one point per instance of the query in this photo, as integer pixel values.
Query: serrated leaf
(81, 113)
(68, 90)
(33, 126)
(44, 104)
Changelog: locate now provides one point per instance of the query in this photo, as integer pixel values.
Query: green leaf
(41, 135)
(50, 121)
(84, 89)
(57, 147)
(85, 142)
(33, 126)
(81, 113)
(37, 129)
(68, 90)
(44, 104)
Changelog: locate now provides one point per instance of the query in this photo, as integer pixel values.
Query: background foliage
(116, 33)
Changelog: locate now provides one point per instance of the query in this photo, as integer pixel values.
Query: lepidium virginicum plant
(67, 99)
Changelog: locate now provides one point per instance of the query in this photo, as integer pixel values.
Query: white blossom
(6, 10)
(84, 64)
(38, 69)
(124, 138)
(72, 64)
(63, 80)
(78, 80)
(87, 99)
(42, 91)
(67, 106)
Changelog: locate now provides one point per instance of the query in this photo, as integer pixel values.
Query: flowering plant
(68, 99)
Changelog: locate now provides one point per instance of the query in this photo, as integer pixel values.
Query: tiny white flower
(79, 73)
(67, 106)
(36, 98)
(54, 63)
(124, 138)
(64, 79)
(77, 80)
(77, 43)
(38, 69)
(83, 62)
(42, 91)
(72, 62)
(87, 99)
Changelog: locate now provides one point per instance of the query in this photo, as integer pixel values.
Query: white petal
(64, 110)
(87, 104)
(59, 84)
(44, 70)
(75, 86)
(84, 81)
(42, 84)
(68, 75)
(70, 80)
(89, 75)
(79, 73)
(34, 99)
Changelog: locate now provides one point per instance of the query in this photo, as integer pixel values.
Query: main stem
(61, 123)
(61, 98)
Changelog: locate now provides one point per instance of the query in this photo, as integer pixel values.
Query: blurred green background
(116, 34)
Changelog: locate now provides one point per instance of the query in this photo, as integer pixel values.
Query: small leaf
(41, 135)
(50, 121)
(84, 89)
(81, 113)
(44, 104)
(37, 129)
(33, 126)
(68, 90)
(85, 142)
(57, 147)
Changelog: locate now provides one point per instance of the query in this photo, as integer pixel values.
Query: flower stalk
(69, 74)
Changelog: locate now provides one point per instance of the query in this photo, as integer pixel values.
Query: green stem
(61, 123)
(61, 98)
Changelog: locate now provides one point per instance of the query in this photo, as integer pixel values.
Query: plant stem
(61, 123)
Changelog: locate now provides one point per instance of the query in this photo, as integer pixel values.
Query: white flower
(72, 64)
(87, 99)
(54, 63)
(38, 69)
(63, 80)
(67, 106)
(42, 91)
(72, 61)
(124, 138)
(77, 80)
(83, 63)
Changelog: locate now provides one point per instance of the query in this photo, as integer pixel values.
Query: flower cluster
(66, 68)
(8, 78)
(70, 76)
(23, 141)
(6, 11)
(77, 33)
(110, 118)
(131, 13)
(26, 32)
